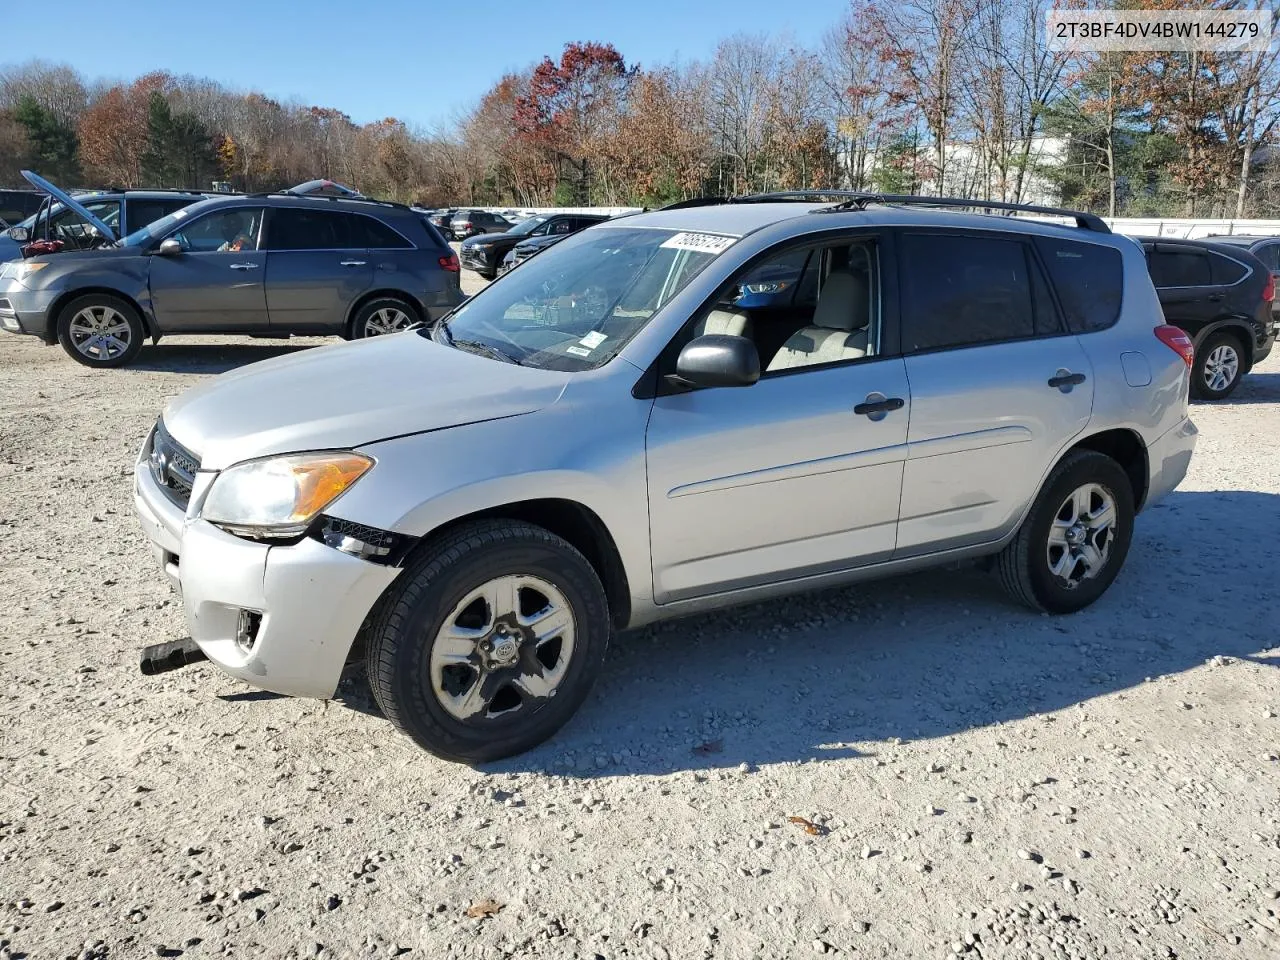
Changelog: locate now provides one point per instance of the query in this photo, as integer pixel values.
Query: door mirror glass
(169, 248)
(718, 360)
(21, 234)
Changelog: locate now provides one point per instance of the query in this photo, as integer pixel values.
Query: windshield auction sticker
(1159, 30)
(701, 242)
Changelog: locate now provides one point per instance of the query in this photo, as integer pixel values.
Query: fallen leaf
(484, 908)
(808, 826)
(708, 748)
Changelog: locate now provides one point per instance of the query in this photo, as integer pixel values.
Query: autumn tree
(571, 105)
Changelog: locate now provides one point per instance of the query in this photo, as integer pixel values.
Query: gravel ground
(971, 779)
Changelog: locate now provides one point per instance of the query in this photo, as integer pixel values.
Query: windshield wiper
(475, 346)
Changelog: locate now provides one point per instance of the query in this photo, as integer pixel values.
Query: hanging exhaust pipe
(164, 657)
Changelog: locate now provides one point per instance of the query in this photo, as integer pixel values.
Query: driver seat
(839, 330)
(724, 320)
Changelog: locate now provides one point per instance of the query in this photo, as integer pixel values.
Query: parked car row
(485, 253)
(263, 264)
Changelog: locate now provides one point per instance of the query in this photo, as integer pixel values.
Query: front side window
(70, 226)
(575, 307)
(804, 306)
(962, 290)
(226, 231)
(1171, 267)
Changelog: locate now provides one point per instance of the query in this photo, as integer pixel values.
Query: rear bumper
(1168, 458)
(1263, 350)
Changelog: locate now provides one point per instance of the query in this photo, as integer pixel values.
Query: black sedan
(485, 253)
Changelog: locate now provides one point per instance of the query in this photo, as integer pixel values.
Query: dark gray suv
(266, 265)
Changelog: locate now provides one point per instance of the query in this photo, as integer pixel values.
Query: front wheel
(1217, 368)
(490, 643)
(100, 331)
(1075, 538)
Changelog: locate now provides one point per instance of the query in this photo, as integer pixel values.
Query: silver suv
(667, 413)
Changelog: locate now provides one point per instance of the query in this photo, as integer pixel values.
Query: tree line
(953, 96)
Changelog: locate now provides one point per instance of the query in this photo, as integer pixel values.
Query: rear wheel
(1074, 540)
(490, 643)
(100, 330)
(1218, 367)
(382, 316)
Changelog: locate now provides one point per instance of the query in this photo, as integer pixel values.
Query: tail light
(450, 263)
(1177, 340)
(1269, 291)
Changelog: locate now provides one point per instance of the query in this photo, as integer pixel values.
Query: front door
(800, 473)
(998, 387)
(216, 281)
(317, 265)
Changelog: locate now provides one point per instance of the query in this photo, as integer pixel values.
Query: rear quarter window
(1089, 280)
(1226, 270)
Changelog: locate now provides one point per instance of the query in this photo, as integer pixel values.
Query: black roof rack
(184, 190)
(860, 199)
(313, 196)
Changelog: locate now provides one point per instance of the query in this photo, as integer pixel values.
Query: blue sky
(417, 60)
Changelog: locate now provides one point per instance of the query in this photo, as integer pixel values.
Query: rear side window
(1174, 267)
(373, 234)
(1089, 279)
(296, 228)
(1226, 270)
(960, 290)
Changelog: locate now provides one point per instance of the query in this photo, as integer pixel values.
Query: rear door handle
(877, 405)
(353, 263)
(244, 266)
(1065, 378)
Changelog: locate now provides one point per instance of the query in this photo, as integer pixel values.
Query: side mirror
(717, 360)
(169, 247)
(21, 234)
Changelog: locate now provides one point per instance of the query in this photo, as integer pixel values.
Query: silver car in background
(664, 414)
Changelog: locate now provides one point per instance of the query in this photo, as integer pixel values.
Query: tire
(1026, 565)
(382, 315)
(101, 331)
(1218, 366)
(465, 698)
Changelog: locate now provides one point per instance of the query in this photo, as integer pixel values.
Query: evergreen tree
(54, 147)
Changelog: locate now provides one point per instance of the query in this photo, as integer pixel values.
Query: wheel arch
(573, 522)
(58, 305)
(390, 293)
(1127, 448)
(1241, 328)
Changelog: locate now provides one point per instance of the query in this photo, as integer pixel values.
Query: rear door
(216, 282)
(316, 268)
(1183, 277)
(998, 385)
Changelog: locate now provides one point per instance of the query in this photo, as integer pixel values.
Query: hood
(40, 183)
(350, 394)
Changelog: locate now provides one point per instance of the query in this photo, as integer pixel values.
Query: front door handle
(244, 266)
(877, 405)
(352, 263)
(1065, 378)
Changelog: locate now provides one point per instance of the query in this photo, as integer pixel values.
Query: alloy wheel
(1221, 367)
(1080, 537)
(503, 650)
(100, 333)
(386, 320)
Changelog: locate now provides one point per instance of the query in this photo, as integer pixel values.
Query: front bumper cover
(310, 599)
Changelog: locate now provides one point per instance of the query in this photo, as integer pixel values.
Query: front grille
(173, 466)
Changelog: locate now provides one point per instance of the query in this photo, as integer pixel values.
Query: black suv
(468, 223)
(1221, 295)
(264, 264)
(484, 254)
(1266, 249)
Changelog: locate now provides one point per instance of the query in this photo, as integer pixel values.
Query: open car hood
(40, 183)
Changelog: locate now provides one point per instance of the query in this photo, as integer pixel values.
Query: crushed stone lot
(915, 768)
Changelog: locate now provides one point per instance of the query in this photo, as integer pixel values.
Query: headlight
(280, 497)
(775, 286)
(20, 270)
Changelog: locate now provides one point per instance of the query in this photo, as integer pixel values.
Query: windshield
(575, 306)
(526, 227)
(154, 230)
